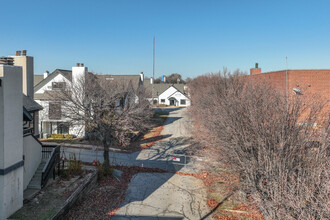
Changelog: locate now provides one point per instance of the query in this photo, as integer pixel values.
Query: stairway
(35, 182)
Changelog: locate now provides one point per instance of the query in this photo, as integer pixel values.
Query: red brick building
(311, 83)
(307, 81)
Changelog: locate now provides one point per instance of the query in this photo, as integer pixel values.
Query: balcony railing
(27, 131)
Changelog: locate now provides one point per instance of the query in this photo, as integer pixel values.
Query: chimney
(27, 64)
(151, 80)
(78, 73)
(46, 73)
(142, 77)
(18, 53)
(255, 70)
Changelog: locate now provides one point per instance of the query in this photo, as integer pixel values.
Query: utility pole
(153, 63)
(153, 71)
(286, 85)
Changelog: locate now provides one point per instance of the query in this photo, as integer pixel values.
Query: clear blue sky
(192, 37)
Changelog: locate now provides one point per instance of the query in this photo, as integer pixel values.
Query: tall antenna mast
(153, 65)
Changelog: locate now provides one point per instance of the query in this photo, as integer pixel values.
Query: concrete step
(35, 182)
(29, 194)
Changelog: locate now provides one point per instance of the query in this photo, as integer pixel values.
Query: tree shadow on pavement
(124, 217)
(168, 157)
(170, 120)
(167, 110)
(153, 139)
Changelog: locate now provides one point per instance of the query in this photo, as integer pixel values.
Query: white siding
(173, 93)
(48, 86)
(179, 96)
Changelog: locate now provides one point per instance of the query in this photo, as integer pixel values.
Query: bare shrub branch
(272, 143)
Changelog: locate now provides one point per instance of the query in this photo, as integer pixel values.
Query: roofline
(179, 92)
(289, 70)
(50, 77)
(118, 75)
(173, 93)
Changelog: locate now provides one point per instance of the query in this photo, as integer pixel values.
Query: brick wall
(314, 84)
(255, 71)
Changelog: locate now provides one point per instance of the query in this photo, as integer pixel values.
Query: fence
(169, 162)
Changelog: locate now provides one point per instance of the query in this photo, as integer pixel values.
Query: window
(63, 128)
(162, 100)
(55, 110)
(58, 85)
(182, 102)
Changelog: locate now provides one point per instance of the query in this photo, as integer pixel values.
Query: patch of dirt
(105, 200)
(233, 207)
(50, 199)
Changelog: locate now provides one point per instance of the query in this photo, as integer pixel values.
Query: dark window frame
(58, 85)
(63, 128)
(183, 102)
(55, 110)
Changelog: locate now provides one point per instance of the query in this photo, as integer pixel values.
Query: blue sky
(192, 37)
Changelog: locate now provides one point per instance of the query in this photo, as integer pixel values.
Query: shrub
(258, 131)
(103, 171)
(62, 136)
(162, 105)
(75, 166)
(63, 173)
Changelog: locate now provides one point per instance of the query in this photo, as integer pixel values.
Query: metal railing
(53, 159)
(27, 131)
(47, 150)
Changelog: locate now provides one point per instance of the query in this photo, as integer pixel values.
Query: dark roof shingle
(30, 104)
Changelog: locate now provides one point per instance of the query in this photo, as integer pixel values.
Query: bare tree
(272, 143)
(109, 111)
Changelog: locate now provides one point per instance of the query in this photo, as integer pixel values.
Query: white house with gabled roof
(51, 118)
(173, 97)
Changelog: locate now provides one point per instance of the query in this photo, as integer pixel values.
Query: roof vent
(24, 52)
(297, 91)
(18, 53)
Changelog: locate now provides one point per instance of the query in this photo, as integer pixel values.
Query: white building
(168, 94)
(54, 122)
(173, 97)
(51, 117)
(20, 151)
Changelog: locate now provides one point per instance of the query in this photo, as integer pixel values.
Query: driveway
(163, 196)
(177, 132)
(166, 195)
(160, 195)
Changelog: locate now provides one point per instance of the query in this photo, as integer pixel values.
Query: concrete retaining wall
(79, 194)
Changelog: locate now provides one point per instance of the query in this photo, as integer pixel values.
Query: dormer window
(58, 85)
